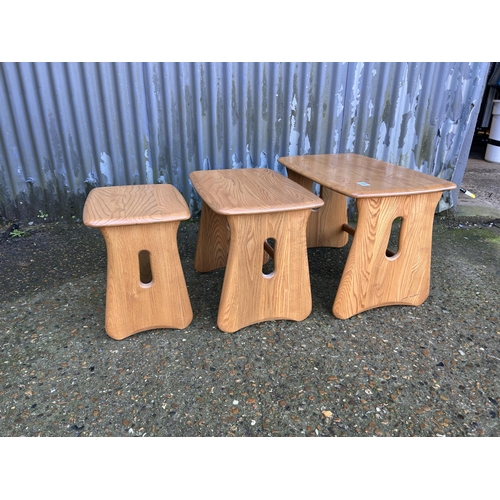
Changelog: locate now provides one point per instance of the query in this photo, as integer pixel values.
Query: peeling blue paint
(72, 126)
(106, 169)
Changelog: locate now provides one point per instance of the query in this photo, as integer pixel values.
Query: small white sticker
(364, 184)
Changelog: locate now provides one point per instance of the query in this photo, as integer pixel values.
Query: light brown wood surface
(248, 296)
(137, 219)
(241, 210)
(324, 228)
(250, 190)
(373, 275)
(214, 237)
(373, 279)
(140, 204)
(348, 173)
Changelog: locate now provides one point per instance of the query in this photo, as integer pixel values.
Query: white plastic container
(493, 148)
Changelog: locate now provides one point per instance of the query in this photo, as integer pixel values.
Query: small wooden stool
(146, 288)
(242, 210)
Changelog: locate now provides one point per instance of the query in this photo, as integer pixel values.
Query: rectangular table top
(358, 176)
(251, 191)
(137, 204)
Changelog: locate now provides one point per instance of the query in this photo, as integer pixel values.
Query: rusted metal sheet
(67, 127)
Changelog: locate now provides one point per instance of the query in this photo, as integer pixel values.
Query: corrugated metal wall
(67, 127)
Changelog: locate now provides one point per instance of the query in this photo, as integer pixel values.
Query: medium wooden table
(373, 275)
(244, 209)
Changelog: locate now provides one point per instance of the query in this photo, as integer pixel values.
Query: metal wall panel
(67, 127)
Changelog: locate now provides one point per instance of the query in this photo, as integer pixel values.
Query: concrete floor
(482, 178)
(431, 370)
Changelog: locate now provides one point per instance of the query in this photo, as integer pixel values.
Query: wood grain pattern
(250, 190)
(250, 297)
(214, 236)
(133, 305)
(324, 228)
(140, 204)
(348, 173)
(241, 210)
(371, 278)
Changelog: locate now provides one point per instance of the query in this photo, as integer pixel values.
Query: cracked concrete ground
(427, 371)
(431, 370)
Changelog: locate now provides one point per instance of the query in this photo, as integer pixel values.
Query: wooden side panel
(212, 246)
(372, 279)
(325, 225)
(248, 296)
(324, 228)
(133, 306)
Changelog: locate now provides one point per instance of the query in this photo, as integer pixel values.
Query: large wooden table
(373, 275)
(242, 211)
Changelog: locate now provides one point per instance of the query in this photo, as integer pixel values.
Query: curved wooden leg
(249, 296)
(212, 246)
(324, 228)
(371, 278)
(144, 295)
